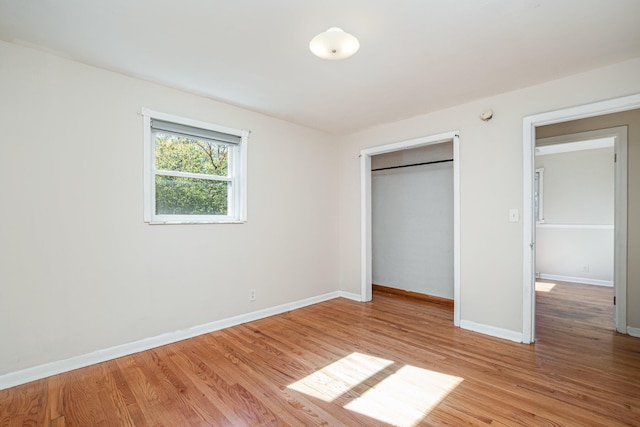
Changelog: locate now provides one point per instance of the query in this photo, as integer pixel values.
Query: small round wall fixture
(486, 115)
(334, 44)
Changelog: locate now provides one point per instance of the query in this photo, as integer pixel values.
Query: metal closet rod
(413, 164)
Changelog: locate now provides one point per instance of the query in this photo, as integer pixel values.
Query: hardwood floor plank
(393, 361)
(121, 379)
(54, 413)
(26, 407)
(113, 403)
(249, 364)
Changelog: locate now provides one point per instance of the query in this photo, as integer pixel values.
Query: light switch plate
(514, 215)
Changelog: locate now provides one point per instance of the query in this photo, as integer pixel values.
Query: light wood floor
(394, 361)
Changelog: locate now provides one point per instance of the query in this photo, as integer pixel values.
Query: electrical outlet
(252, 295)
(585, 268)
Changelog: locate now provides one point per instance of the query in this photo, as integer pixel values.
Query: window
(195, 172)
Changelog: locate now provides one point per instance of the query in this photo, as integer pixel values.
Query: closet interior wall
(412, 220)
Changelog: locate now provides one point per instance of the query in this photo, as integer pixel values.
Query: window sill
(195, 222)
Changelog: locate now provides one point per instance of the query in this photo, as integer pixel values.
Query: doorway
(620, 218)
(366, 210)
(574, 205)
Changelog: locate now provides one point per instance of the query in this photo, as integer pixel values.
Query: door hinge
(615, 157)
(614, 300)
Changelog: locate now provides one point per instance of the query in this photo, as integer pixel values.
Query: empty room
(341, 213)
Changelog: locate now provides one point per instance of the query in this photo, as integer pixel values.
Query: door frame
(366, 270)
(620, 222)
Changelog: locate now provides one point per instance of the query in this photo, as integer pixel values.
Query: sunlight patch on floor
(544, 286)
(406, 397)
(336, 379)
(400, 397)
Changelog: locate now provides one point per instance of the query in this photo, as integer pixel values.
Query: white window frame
(237, 206)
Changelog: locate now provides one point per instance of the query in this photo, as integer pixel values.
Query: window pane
(182, 154)
(189, 196)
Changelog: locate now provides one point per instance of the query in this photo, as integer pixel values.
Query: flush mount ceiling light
(334, 44)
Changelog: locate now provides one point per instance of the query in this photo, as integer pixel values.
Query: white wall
(80, 271)
(412, 221)
(491, 184)
(579, 186)
(575, 243)
(580, 255)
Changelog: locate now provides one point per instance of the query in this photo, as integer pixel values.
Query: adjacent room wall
(80, 270)
(412, 220)
(631, 119)
(491, 156)
(575, 242)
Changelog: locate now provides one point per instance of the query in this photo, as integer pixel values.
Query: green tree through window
(176, 195)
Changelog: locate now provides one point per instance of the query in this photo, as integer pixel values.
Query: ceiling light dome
(334, 44)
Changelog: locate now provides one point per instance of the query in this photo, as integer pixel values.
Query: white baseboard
(48, 369)
(571, 279)
(350, 295)
(492, 331)
(634, 332)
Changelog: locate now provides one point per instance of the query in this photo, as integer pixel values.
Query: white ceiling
(416, 56)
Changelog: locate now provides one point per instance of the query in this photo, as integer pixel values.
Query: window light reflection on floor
(336, 379)
(397, 396)
(404, 398)
(544, 286)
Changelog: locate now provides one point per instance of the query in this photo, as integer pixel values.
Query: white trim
(528, 138)
(556, 147)
(366, 270)
(242, 177)
(192, 222)
(42, 371)
(350, 295)
(577, 226)
(365, 210)
(615, 105)
(580, 280)
(193, 175)
(492, 331)
(409, 144)
(237, 198)
(148, 165)
(634, 332)
(577, 138)
(529, 226)
(457, 298)
(539, 215)
(620, 230)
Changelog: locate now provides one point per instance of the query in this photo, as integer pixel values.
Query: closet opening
(410, 219)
